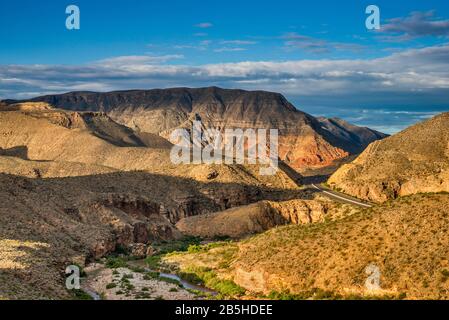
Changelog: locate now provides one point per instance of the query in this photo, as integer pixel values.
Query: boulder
(138, 250)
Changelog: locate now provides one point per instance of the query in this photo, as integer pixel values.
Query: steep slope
(407, 240)
(37, 141)
(78, 216)
(304, 141)
(357, 138)
(98, 124)
(38, 132)
(243, 221)
(413, 161)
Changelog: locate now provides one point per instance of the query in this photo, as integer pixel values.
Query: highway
(341, 197)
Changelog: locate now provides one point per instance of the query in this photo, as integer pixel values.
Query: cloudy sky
(320, 56)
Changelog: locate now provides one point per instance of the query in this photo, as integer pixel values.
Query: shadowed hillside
(47, 224)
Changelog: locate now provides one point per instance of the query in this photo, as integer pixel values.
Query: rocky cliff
(304, 140)
(255, 218)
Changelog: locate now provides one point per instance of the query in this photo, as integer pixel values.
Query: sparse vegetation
(153, 262)
(208, 278)
(341, 250)
(116, 262)
(165, 247)
(80, 295)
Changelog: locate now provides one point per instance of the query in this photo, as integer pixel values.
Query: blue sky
(319, 54)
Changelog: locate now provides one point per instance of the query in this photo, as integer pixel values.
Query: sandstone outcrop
(258, 217)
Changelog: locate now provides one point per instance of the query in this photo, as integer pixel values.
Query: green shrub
(151, 275)
(116, 262)
(221, 238)
(315, 294)
(119, 249)
(209, 278)
(191, 277)
(181, 245)
(137, 269)
(402, 296)
(274, 295)
(80, 295)
(172, 281)
(143, 295)
(195, 248)
(153, 262)
(111, 285)
(228, 287)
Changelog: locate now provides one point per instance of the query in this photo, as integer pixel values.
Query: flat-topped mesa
(413, 161)
(304, 141)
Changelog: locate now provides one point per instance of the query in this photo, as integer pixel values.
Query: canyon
(85, 175)
(403, 234)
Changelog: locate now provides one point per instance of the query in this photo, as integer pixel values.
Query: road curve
(336, 195)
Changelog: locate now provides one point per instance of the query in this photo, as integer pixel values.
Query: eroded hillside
(413, 161)
(406, 239)
(76, 186)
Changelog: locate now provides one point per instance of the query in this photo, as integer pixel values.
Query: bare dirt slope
(415, 160)
(76, 186)
(39, 133)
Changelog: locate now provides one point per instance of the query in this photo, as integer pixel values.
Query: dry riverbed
(126, 284)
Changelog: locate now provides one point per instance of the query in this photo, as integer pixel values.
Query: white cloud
(133, 60)
(403, 77)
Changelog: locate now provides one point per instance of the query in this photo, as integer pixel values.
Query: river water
(142, 264)
(185, 284)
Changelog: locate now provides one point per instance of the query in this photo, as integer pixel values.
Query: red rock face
(308, 152)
